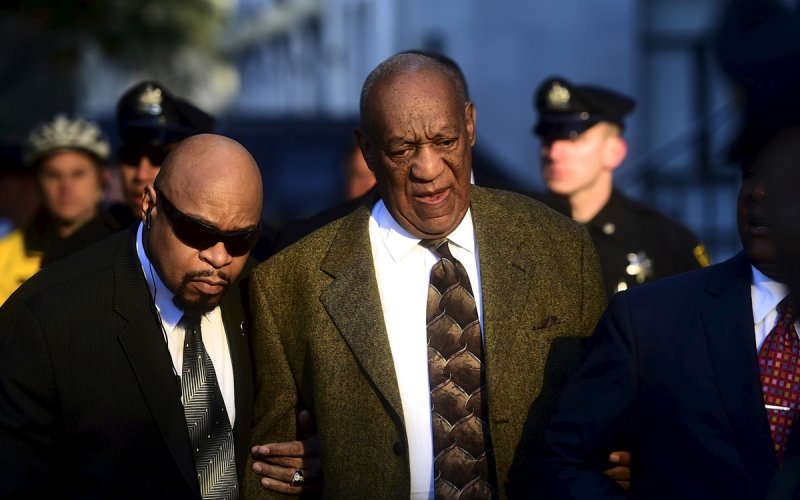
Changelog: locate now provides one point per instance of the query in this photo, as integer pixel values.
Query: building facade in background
(285, 75)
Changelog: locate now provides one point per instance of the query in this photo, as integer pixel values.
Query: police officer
(151, 122)
(580, 128)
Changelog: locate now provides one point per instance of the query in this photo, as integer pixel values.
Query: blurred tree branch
(44, 41)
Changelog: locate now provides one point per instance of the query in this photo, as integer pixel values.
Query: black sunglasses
(199, 235)
(130, 154)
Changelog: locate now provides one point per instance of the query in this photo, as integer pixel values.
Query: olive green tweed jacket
(319, 342)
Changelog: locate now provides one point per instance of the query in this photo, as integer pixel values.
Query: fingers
(276, 463)
(276, 472)
(288, 449)
(621, 473)
(287, 462)
(276, 478)
(269, 453)
(285, 488)
(620, 458)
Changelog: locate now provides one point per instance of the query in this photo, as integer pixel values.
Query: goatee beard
(197, 308)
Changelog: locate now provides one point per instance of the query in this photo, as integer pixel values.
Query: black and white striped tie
(207, 419)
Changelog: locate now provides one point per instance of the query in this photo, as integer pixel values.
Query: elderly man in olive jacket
(340, 319)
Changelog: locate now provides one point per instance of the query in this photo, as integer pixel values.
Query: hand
(621, 472)
(276, 463)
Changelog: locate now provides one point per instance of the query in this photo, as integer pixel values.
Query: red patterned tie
(461, 441)
(779, 363)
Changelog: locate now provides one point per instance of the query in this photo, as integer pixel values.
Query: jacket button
(399, 448)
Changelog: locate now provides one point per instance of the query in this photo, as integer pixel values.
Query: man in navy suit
(672, 374)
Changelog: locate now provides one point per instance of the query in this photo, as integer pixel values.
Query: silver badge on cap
(558, 96)
(150, 101)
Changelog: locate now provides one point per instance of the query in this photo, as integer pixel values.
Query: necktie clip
(781, 408)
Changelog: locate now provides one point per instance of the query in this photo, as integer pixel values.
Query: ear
(148, 203)
(615, 151)
(470, 115)
(366, 147)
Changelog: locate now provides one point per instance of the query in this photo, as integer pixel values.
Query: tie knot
(785, 310)
(190, 323)
(439, 246)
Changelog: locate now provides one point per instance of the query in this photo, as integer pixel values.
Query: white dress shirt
(402, 268)
(766, 293)
(213, 330)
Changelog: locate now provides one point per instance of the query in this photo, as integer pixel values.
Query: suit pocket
(548, 322)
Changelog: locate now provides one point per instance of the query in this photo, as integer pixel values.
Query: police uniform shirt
(636, 244)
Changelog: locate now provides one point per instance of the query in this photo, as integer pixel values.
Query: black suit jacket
(671, 374)
(89, 403)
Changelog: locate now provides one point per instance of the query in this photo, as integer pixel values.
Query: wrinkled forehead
(412, 92)
(413, 85)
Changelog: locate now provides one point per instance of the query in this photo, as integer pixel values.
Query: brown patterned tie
(461, 444)
(779, 363)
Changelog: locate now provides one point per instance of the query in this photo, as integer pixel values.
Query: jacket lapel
(504, 267)
(142, 341)
(728, 324)
(353, 303)
(236, 332)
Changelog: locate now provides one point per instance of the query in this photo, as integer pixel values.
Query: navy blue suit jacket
(671, 374)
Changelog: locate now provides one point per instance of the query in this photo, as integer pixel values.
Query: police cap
(566, 110)
(149, 114)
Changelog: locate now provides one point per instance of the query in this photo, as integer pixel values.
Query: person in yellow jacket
(16, 265)
(70, 157)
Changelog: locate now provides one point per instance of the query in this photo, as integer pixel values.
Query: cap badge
(150, 101)
(558, 96)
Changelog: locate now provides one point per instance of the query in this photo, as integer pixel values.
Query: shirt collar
(767, 293)
(400, 242)
(162, 296)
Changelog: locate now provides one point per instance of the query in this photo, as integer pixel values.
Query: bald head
(212, 166)
(395, 66)
(455, 70)
(202, 218)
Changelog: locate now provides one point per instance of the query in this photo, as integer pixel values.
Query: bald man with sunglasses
(99, 353)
